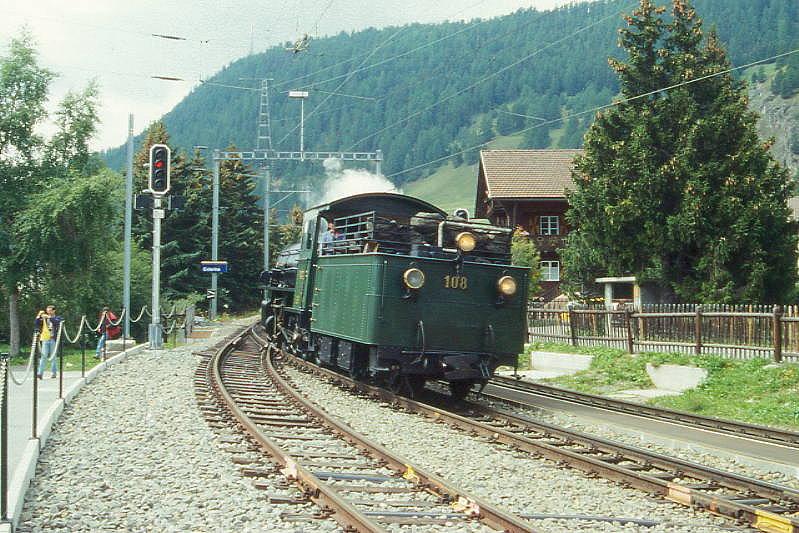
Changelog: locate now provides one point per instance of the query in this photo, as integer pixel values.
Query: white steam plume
(343, 182)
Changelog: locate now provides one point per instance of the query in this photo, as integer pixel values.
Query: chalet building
(527, 188)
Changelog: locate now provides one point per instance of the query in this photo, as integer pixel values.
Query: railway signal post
(158, 186)
(214, 237)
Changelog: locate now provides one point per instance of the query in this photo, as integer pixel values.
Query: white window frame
(550, 270)
(549, 225)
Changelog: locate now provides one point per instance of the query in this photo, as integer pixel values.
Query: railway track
(766, 506)
(728, 427)
(352, 480)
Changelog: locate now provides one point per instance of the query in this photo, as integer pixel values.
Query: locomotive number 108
(456, 282)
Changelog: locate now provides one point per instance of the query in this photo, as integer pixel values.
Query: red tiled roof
(527, 173)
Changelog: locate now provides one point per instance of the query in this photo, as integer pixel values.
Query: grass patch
(611, 369)
(72, 358)
(448, 187)
(748, 391)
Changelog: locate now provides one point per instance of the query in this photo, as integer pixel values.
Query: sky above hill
(111, 41)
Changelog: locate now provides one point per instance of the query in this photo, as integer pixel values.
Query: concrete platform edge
(25, 471)
(22, 477)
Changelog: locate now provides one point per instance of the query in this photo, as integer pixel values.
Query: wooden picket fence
(735, 331)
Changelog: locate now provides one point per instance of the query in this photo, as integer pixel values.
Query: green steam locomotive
(389, 288)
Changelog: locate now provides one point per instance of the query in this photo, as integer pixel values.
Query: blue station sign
(217, 267)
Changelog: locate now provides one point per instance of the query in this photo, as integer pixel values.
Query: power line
(385, 60)
(373, 99)
(117, 29)
(359, 69)
(519, 114)
(423, 78)
(329, 96)
(398, 56)
(322, 13)
(484, 79)
(598, 108)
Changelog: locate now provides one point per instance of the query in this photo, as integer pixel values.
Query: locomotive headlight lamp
(413, 278)
(466, 241)
(506, 285)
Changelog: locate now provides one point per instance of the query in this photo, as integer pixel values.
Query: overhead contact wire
(349, 76)
(598, 108)
(485, 78)
(420, 47)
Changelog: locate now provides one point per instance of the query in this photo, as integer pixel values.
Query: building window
(550, 270)
(549, 225)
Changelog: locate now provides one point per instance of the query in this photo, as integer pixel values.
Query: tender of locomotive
(398, 292)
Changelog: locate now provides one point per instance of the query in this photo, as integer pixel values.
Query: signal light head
(159, 168)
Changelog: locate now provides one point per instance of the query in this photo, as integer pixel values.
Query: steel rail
(728, 427)
(778, 510)
(486, 512)
(318, 491)
(464, 506)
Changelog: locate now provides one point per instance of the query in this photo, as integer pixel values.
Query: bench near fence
(739, 332)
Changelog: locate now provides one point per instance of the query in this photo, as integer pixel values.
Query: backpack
(113, 332)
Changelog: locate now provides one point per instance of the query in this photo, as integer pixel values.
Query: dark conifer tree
(187, 232)
(675, 187)
(240, 235)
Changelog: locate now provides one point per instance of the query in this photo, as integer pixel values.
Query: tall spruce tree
(187, 232)
(240, 235)
(675, 187)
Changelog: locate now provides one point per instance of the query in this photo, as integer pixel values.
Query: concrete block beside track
(676, 378)
(567, 363)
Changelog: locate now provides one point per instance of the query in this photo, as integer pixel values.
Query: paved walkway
(20, 409)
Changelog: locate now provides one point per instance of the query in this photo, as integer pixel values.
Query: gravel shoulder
(698, 454)
(510, 479)
(133, 453)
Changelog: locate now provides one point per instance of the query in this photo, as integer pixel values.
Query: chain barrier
(169, 331)
(141, 314)
(84, 322)
(121, 317)
(100, 323)
(31, 362)
(5, 366)
(171, 312)
(77, 335)
(57, 343)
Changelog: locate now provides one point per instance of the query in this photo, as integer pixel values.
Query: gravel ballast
(513, 480)
(698, 454)
(133, 453)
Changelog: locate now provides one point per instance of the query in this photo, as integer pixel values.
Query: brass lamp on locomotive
(398, 292)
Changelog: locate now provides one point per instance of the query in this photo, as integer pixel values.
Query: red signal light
(158, 180)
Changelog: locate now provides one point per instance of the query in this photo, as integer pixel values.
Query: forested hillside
(430, 90)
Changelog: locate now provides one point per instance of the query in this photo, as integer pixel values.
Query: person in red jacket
(106, 327)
